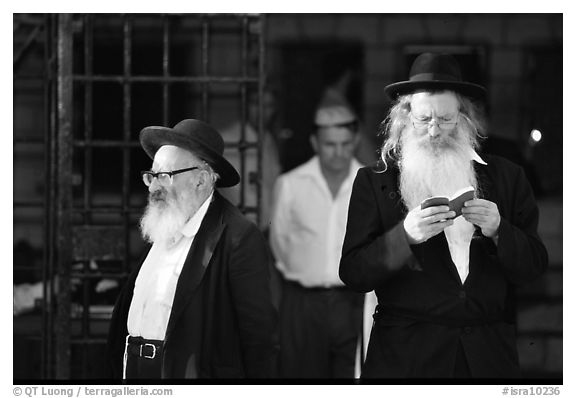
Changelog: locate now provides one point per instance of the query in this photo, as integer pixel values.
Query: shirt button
(462, 294)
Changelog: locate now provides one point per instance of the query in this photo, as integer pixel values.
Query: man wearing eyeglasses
(199, 304)
(445, 284)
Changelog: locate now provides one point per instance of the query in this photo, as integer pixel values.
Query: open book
(455, 202)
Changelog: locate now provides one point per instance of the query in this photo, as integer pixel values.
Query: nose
(433, 129)
(339, 151)
(153, 185)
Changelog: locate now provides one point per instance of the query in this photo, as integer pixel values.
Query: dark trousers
(319, 331)
(461, 368)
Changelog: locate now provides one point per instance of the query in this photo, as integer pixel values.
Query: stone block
(505, 63)
(281, 26)
(548, 285)
(484, 28)
(553, 357)
(551, 215)
(554, 248)
(531, 352)
(364, 27)
(525, 29)
(313, 26)
(374, 91)
(380, 63)
(401, 28)
(540, 318)
(445, 27)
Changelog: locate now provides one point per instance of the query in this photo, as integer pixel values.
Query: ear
(201, 179)
(314, 142)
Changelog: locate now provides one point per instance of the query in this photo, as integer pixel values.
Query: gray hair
(398, 119)
(202, 165)
(211, 173)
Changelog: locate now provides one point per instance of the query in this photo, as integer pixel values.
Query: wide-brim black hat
(431, 71)
(197, 137)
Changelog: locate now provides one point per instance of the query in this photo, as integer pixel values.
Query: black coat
(222, 313)
(424, 310)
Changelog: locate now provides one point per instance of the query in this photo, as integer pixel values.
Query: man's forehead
(445, 101)
(335, 134)
(169, 155)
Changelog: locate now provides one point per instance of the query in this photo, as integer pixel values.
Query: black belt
(144, 348)
(386, 313)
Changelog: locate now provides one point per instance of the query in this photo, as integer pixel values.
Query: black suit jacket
(223, 323)
(424, 311)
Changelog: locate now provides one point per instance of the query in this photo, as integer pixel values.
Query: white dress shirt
(459, 236)
(156, 282)
(309, 224)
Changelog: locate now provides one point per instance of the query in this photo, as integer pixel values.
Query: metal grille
(116, 74)
(33, 67)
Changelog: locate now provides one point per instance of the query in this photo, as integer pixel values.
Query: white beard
(162, 221)
(434, 169)
(439, 169)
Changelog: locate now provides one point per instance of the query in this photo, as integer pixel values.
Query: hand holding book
(455, 202)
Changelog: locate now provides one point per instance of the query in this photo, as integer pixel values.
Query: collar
(191, 228)
(475, 157)
(312, 168)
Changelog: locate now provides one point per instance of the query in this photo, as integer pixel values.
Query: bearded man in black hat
(445, 283)
(199, 305)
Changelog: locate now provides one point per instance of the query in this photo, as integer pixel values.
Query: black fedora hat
(197, 137)
(431, 71)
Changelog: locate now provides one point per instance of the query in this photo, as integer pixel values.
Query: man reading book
(444, 282)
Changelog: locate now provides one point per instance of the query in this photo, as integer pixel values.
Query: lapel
(486, 192)
(128, 290)
(480, 243)
(446, 257)
(198, 260)
(485, 184)
(390, 197)
(484, 181)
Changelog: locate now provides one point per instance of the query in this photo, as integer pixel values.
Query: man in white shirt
(199, 305)
(320, 319)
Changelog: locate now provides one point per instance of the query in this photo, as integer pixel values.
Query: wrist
(495, 239)
(409, 238)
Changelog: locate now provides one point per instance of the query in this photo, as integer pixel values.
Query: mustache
(158, 195)
(437, 144)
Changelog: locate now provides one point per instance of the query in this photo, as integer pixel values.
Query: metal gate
(112, 76)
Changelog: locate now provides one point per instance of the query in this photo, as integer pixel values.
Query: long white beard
(439, 169)
(162, 222)
(433, 169)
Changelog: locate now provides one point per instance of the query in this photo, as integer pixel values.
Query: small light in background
(535, 136)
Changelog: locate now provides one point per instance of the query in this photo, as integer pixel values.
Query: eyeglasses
(426, 124)
(164, 177)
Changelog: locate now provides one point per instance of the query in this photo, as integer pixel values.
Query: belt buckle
(153, 350)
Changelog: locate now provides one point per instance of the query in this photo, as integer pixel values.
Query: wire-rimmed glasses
(430, 122)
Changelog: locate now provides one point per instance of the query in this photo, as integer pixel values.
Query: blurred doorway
(307, 69)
